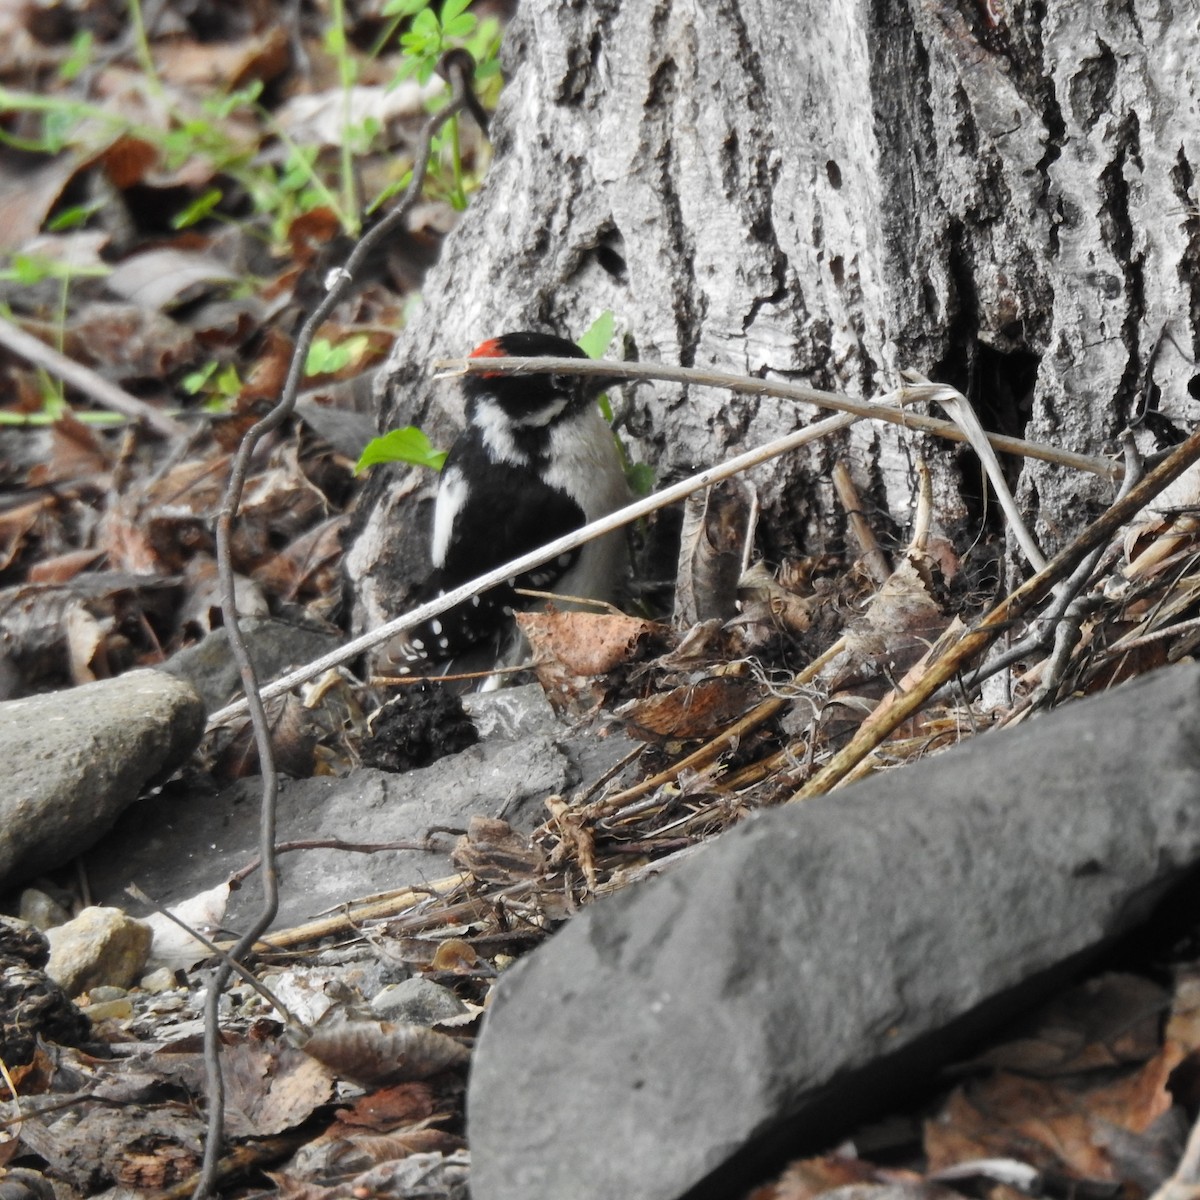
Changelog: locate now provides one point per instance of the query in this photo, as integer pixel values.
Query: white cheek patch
(496, 430)
(544, 416)
(452, 495)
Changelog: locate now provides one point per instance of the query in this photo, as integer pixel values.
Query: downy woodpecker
(536, 461)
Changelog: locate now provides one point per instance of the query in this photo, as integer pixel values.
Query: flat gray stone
(765, 993)
(175, 846)
(74, 760)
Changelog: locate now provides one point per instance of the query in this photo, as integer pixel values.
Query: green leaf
(599, 336)
(403, 8)
(409, 445)
(199, 208)
(452, 8)
(641, 478)
(325, 358)
(193, 382)
(459, 27)
(335, 40)
(425, 23)
(221, 106)
(73, 217)
(80, 56)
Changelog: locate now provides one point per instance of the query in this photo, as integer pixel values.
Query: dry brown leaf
(710, 552)
(1110, 1021)
(576, 839)
(585, 643)
(76, 452)
(770, 603)
(310, 567)
(140, 1146)
(310, 232)
(812, 1177)
(320, 118)
(18, 525)
(295, 734)
(574, 651)
(266, 376)
(35, 616)
(898, 627)
(373, 1053)
(127, 342)
(165, 277)
(228, 64)
(495, 853)
(28, 195)
(404, 1104)
(62, 568)
(127, 160)
(271, 1086)
(695, 710)
(85, 643)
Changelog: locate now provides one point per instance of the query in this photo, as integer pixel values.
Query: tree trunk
(1000, 196)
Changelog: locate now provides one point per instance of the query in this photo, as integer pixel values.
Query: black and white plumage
(535, 461)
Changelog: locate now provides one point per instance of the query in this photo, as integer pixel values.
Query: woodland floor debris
(106, 564)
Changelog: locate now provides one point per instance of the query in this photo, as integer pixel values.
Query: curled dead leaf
(573, 651)
(584, 643)
(695, 710)
(454, 954)
(495, 853)
(372, 1053)
(710, 542)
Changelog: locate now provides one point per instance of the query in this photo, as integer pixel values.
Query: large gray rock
(772, 985)
(177, 845)
(74, 760)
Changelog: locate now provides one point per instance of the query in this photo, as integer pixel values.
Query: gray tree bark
(998, 194)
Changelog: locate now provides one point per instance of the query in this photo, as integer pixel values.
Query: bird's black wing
(505, 512)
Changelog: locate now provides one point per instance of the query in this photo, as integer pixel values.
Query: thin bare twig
(1106, 468)
(1067, 601)
(348, 920)
(459, 75)
(106, 394)
(963, 415)
(873, 557)
(881, 723)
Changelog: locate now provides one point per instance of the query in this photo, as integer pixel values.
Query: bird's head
(534, 398)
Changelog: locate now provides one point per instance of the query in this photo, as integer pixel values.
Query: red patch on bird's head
(492, 348)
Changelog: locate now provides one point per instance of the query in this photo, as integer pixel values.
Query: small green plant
(429, 36)
(30, 269)
(218, 384)
(278, 191)
(328, 358)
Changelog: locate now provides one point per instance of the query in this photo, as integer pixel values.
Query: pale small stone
(110, 1010)
(41, 910)
(101, 946)
(418, 1001)
(162, 980)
